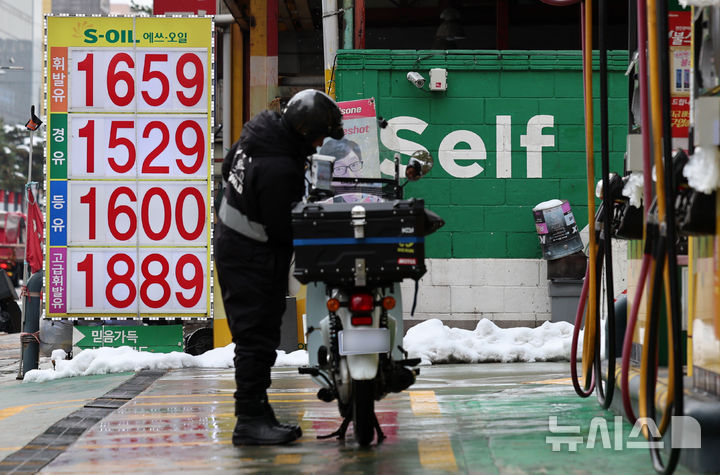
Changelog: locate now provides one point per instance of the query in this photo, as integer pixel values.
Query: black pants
(253, 278)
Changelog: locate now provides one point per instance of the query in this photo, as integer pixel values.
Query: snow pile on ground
(118, 360)
(433, 342)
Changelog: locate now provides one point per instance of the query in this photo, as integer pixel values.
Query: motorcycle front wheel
(363, 396)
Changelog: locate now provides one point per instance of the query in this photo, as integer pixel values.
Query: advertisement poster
(128, 167)
(356, 154)
(679, 37)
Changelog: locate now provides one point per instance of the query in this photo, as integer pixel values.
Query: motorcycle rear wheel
(363, 396)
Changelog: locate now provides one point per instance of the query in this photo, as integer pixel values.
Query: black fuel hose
(674, 311)
(652, 367)
(605, 398)
(590, 300)
(665, 256)
(597, 359)
(560, 3)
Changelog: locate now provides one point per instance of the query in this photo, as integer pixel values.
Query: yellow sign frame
(131, 33)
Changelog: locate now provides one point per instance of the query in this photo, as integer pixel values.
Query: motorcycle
(353, 249)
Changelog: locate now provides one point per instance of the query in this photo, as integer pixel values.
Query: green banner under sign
(155, 339)
(57, 150)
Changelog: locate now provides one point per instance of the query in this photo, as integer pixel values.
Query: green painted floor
(28, 409)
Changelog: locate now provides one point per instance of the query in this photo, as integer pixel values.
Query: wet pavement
(488, 418)
(28, 409)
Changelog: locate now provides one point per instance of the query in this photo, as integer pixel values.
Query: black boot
(295, 428)
(255, 426)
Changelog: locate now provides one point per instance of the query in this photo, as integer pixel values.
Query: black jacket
(273, 175)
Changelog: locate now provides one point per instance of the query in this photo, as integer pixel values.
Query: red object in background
(35, 233)
(679, 42)
(161, 7)
(680, 116)
(679, 28)
(12, 246)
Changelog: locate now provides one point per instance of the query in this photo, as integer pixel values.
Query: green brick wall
(487, 216)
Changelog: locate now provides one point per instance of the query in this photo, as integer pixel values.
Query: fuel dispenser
(665, 204)
(680, 216)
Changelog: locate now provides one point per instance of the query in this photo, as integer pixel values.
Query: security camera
(416, 78)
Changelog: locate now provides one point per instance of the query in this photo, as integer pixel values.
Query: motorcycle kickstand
(380, 434)
(340, 433)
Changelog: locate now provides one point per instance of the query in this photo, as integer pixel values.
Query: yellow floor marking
(154, 415)
(165, 396)
(182, 403)
(437, 453)
(151, 445)
(3, 449)
(229, 395)
(551, 381)
(293, 400)
(204, 403)
(148, 433)
(69, 406)
(288, 459)
(424, 403)
(12, 410)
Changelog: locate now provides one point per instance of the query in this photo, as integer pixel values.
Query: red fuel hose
(647, 199)
(627, 341)
(574, 344)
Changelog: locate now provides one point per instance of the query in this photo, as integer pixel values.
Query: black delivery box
(361, 243)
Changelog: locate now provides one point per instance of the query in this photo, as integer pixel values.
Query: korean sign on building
(128, 176)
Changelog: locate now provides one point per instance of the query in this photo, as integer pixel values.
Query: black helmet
(313, 114)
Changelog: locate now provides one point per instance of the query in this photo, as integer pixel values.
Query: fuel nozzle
(615, 186)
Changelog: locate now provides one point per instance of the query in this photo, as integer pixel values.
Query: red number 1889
(151, 281)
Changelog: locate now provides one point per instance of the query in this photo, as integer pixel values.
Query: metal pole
(348, 16)
(27, 212)
(227, 89)
(330, 42)
(359, 24)
(25, 267)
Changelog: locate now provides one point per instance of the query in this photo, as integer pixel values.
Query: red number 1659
(187, 84)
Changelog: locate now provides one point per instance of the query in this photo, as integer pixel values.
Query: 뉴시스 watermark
(685, 434)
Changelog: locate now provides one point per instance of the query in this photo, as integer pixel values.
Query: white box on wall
(438, 79)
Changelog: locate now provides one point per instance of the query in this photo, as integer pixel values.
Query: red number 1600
(115, 210)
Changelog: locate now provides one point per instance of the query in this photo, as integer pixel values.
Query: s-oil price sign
(128, 176)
